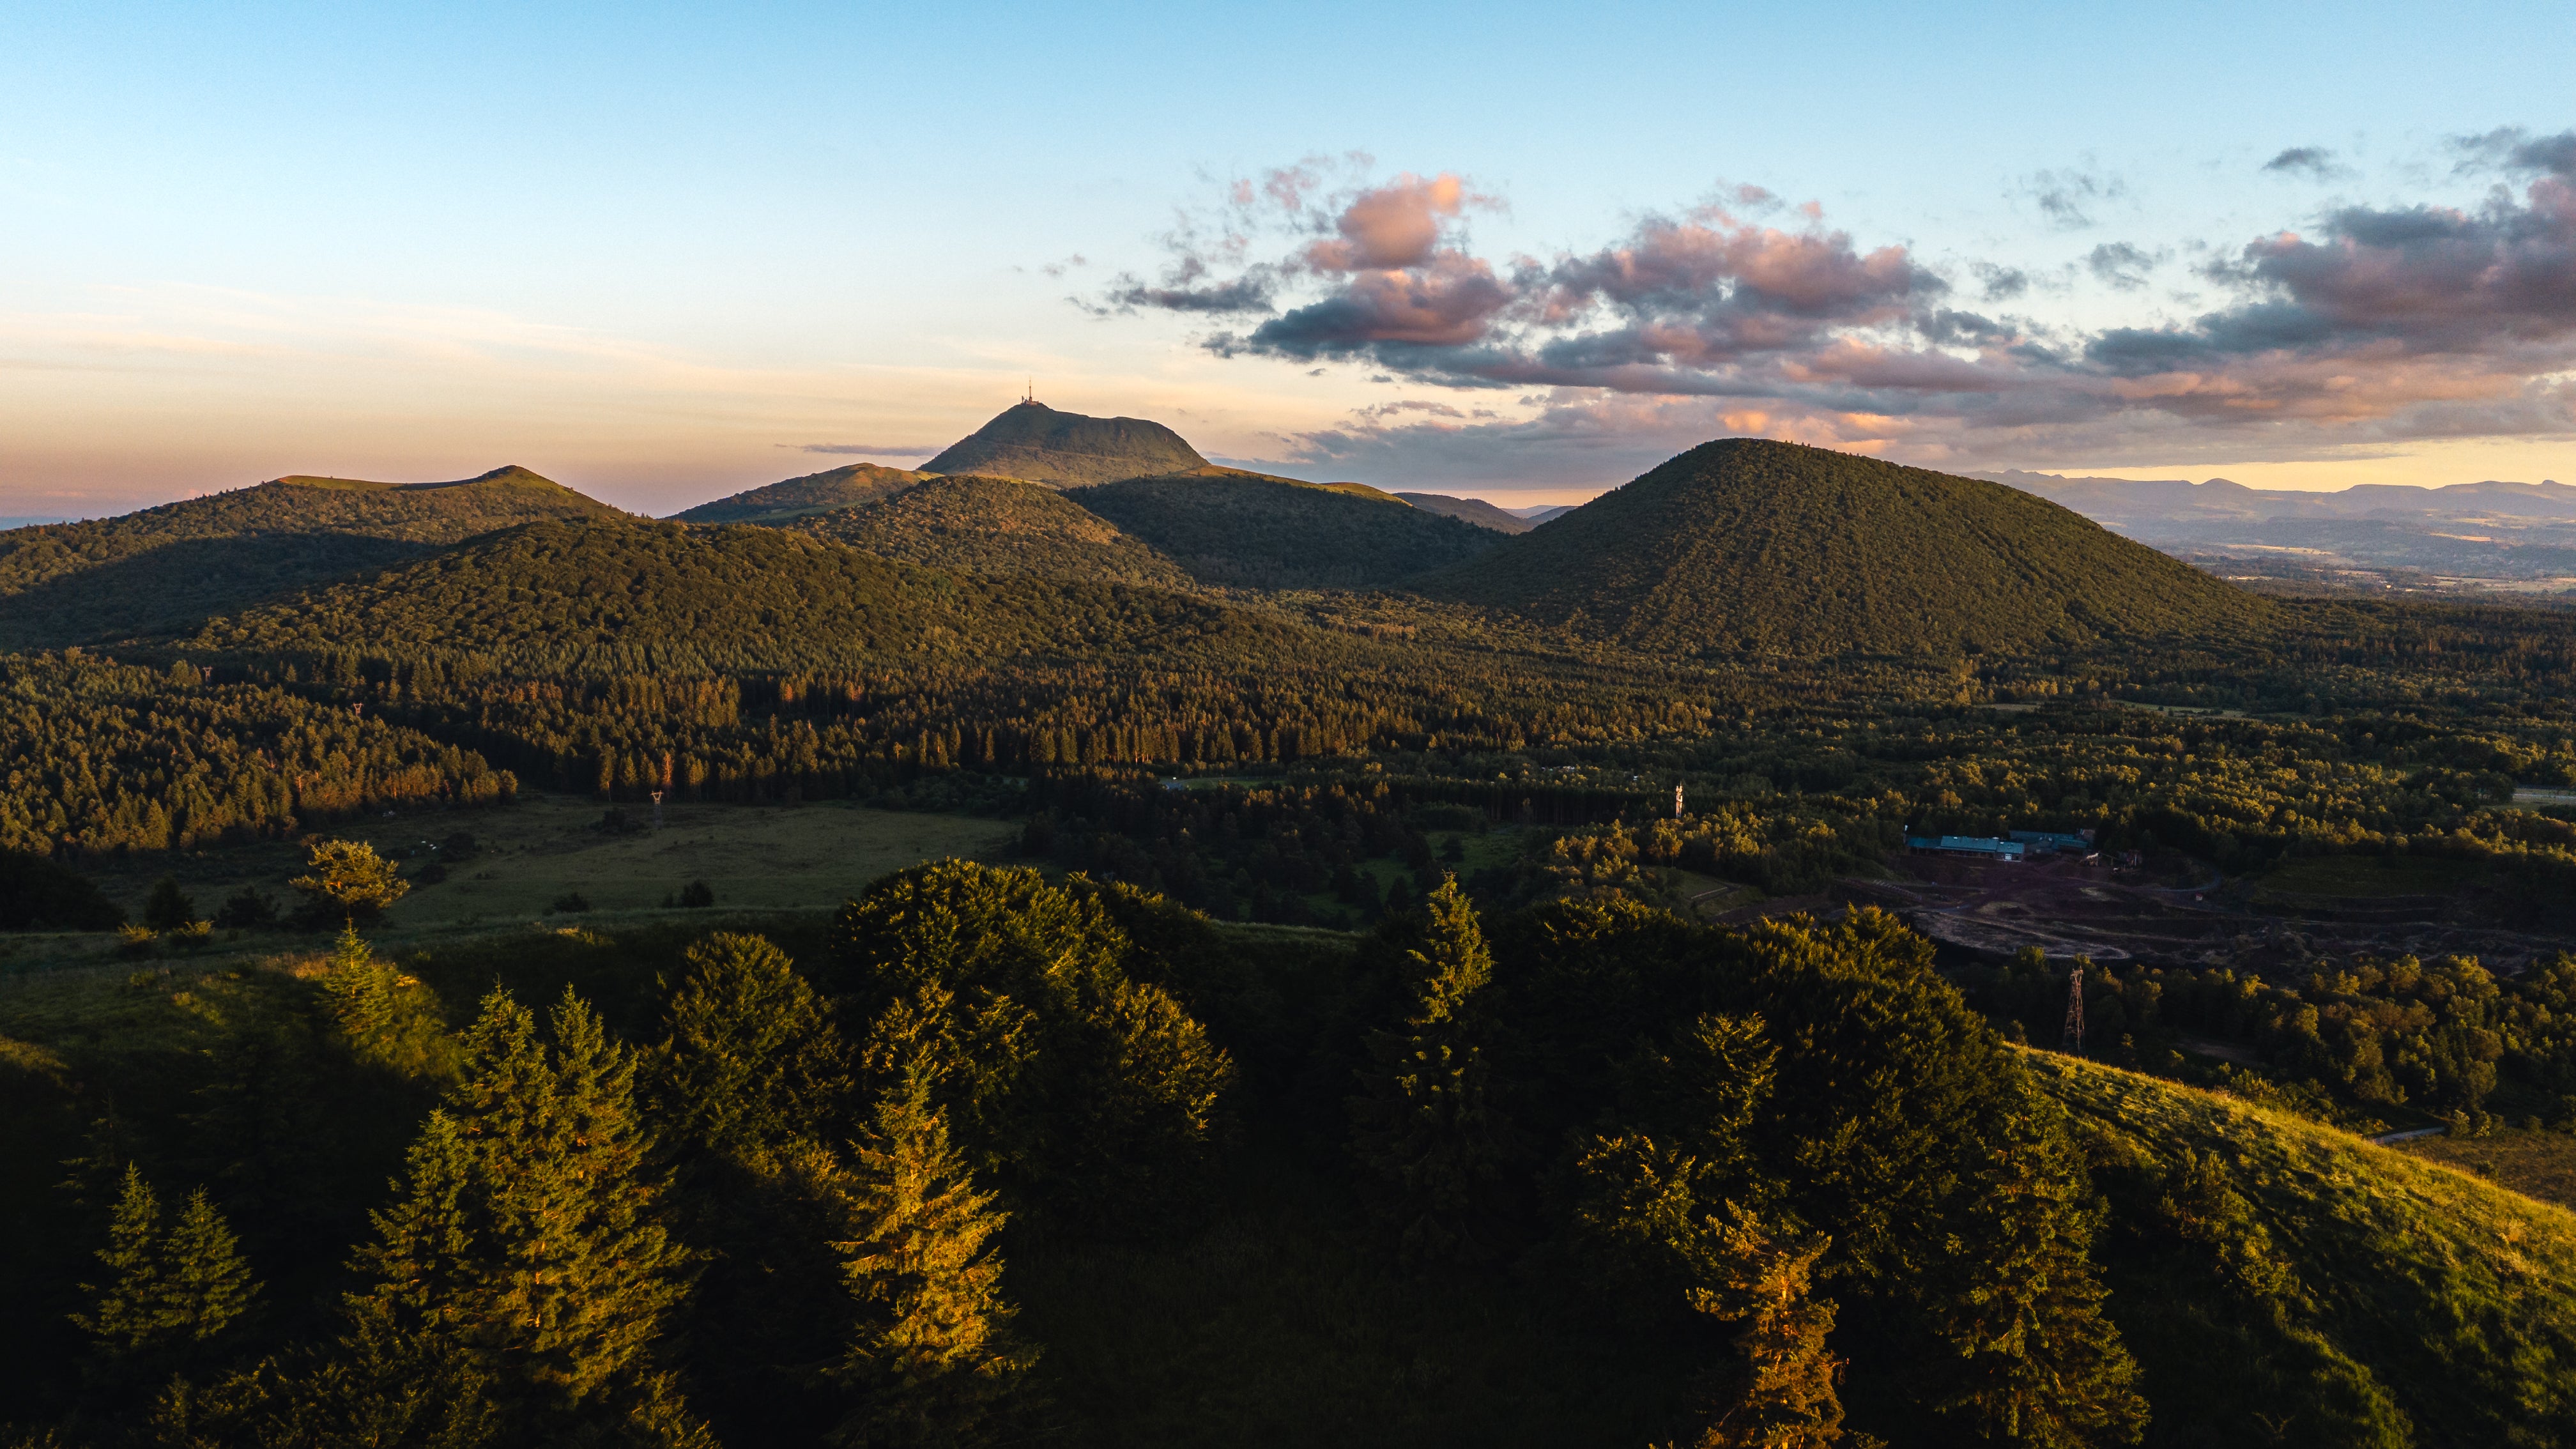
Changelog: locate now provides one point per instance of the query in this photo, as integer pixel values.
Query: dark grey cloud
(2314, 162)
(2513, 148)
(2000, 283)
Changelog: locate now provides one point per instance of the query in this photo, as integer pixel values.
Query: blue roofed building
(2044, 842)
(1981, 847)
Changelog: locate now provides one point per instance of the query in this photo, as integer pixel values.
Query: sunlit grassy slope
(2431, 1307)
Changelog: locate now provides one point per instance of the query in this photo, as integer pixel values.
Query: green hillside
(1472, 510)
(996, 526)
(168, 567)
(574, 597)
(1250, 531)
(844, 487)
(1748, 544)
(1034, 443)
(2346, 1295)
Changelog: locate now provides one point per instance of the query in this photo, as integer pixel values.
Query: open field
(530, 854)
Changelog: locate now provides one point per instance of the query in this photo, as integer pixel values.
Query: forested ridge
(996, 526)
(171, 566)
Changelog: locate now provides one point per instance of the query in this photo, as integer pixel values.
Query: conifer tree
(2022, 1303)
(1784, 1394)
(1425, 1126)
(752, 1061)
(525, 1237)
(168, 907)
(934, 1361)
(168, 1292)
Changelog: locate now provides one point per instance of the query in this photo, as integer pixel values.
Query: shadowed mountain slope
(1780, 548)
(1036, 444)
(641, 596)
(1468, 510)
(1251, 531)
(996, 526)
(844, 487)
(168, 567)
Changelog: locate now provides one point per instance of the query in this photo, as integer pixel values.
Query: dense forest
(1781, 1184)
(1439, 995)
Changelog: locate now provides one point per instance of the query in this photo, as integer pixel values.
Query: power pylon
(2073, 1045)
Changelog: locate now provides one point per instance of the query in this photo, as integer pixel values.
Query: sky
(1508, 251)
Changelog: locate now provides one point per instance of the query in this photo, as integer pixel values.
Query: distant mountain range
(2376, 536)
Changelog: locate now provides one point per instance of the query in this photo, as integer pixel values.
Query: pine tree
(752, 1062)
(1425, 1125)
(525, 1232)
(168, 1293)
(346, 878)
(934, 1361)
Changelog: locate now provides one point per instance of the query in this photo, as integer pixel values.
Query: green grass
(759, 858)
(2536, 1164)
(2449, 1295)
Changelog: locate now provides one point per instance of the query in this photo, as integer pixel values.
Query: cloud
(2514, 149)
(2369, 326)
(2001, 283)
(2070, 198)
(2121, 266)
(2314, 162)
(869, 450)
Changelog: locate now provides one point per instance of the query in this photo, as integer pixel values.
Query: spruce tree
(168, 1292)
(1425, 1125)
(525, 1234)
(2021, 1302)
(124, 1317)
(934, 1361)
(752, 1062)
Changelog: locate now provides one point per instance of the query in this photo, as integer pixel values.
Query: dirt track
(2068, 909)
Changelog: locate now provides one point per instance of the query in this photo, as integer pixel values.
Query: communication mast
(2074, 1042)
(1029, 394)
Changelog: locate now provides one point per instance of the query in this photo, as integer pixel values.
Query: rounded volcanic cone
(1749, 544)
(1036, 444)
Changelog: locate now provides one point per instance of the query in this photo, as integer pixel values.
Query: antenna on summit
(1030, 393)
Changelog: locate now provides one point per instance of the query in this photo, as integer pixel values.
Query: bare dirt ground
(2177, 915)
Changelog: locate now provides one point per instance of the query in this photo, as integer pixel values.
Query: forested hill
(583, 598)
(1034, 443)
(171, 566)
(996, 526)
(1747, 544)
(844, 487)
(1246, 530)
(1472, 510)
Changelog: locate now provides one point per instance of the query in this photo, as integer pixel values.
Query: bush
(248, 909)
(697, 894)
(570, 902)
(38, 895)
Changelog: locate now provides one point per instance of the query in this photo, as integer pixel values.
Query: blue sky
(659, 254)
